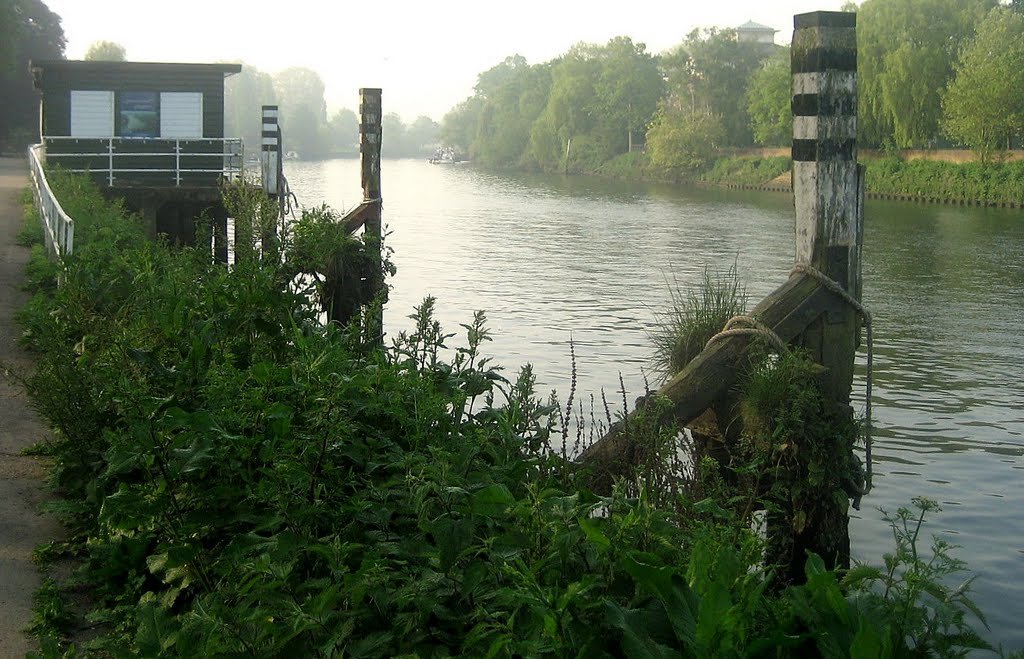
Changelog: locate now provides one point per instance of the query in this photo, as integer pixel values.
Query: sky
(424, 54)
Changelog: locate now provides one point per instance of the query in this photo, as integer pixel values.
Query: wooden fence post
(370, 135)
(828, 195)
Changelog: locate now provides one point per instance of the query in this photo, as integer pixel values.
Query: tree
(343, 129)
(39, 36)
(983, 105)
(10, 36)
(627, 90)
(107, 51)
(300, 94)
(244, 95)
(769, 101)
(906, 52)
(683, 140)
(709, 74)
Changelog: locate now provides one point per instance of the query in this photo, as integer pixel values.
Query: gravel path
(21, 477)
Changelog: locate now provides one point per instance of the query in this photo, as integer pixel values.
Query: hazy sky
(425, 54)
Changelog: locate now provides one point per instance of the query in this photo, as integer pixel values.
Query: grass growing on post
(696, 314)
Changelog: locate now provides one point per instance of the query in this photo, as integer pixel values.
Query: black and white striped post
(828, 195)
(271, 151)
(826, 179)
(827, 182)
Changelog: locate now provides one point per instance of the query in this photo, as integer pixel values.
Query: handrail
(59, 226)
(231, 152)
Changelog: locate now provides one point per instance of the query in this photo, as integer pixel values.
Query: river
(554, 259)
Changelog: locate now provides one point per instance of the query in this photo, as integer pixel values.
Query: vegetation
(746, 170)
(105, 51)
(28, 31)
(992, 182)
(925, 75)
(983, 105)
(241, 480)
(695, 315)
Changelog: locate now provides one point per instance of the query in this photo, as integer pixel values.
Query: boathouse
(151, 133)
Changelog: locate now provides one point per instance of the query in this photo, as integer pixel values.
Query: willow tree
(906, 53)
(984, 106)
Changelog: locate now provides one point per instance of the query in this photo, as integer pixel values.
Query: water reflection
(553, 258)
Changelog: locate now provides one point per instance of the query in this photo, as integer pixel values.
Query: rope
(748, 326)
(834, 287)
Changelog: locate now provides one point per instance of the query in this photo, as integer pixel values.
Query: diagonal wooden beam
(713, 373)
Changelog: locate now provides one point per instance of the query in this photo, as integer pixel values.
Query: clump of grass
(697, 313)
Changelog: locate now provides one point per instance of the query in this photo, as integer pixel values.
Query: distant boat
(445, 155)
(291, 155)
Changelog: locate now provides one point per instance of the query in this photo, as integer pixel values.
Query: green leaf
(492, 501)
(867, 643)
(591, 527)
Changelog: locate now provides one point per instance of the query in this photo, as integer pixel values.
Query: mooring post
(828, 195)
(370, 135)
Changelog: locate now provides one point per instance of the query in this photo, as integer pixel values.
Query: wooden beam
(358, 216)
(713, 373)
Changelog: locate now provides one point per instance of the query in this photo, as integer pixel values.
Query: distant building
(751, 32)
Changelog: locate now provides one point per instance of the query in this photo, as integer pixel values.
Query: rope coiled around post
(834, 287)
(748, 326)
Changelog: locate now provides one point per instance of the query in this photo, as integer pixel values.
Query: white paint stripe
(836, 128)
(832, 81)
(270, 141)
(270, 127)
(270, 114)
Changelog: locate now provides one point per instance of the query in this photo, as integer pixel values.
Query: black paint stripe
(825, 19)
(823, 105)
(270, 147)
(825, 59)
(818, 150)
(271, 133)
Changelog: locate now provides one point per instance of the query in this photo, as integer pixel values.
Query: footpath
(21, 477)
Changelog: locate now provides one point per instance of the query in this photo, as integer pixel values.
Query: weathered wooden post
(270, 155)
(828, 195)
(370, 135)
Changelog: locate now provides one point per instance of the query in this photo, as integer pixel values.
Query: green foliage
(747, 170)
(983, 106)
(107, 51)
(695, 315)
(904, 608)
(708, 74)
(769, 101)
(991, 182)
(684, 141)
(905, 55)
(242, 480)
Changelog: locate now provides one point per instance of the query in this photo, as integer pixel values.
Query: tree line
(306, 126)
(931, 73)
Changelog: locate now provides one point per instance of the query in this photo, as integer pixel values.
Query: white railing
(59, 228)
(113, 157)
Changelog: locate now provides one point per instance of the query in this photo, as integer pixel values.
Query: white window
(92, 114)
(181, 114)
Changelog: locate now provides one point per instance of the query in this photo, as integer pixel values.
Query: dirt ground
(21, 477)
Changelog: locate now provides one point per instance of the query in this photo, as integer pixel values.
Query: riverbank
(947, 180)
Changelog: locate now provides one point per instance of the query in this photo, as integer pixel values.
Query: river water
(554, 259)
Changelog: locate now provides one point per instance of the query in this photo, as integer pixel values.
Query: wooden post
(370, 135)
(828, 193)
(270, 157)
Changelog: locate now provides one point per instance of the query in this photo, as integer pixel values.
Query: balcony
(127, 162)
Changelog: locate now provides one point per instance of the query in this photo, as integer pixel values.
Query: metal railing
(177, 161)
(59, 228)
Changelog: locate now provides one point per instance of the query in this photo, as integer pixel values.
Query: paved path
(21, 477)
